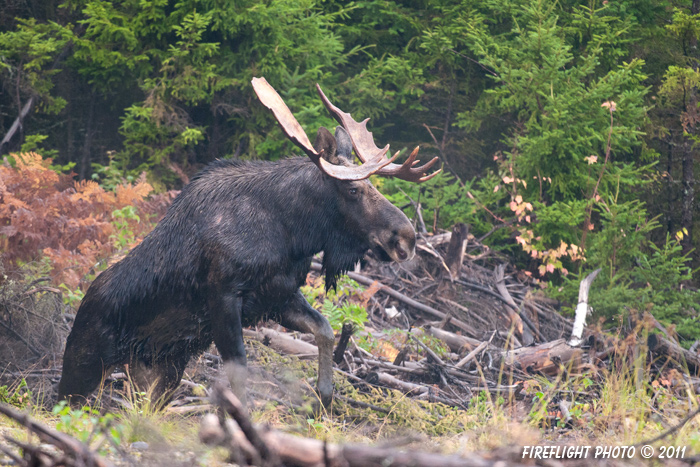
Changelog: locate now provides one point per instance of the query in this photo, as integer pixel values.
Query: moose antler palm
(374, 160)
(366, 150)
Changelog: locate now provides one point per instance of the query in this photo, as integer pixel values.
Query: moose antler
(367, 150)
(291, 127)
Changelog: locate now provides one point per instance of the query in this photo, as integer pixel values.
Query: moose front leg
(298, 315)
(225, 312)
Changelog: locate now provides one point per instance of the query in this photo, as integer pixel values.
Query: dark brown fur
(233, 248)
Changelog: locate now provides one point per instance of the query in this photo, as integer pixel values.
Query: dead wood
(481, 288)
(663, 347)
(345, 335)
(305, 452)
(671, 430)
(471, 355)
(362, 405)
(17, 124)
(470, 313)
(547, 358)
(232, 406)
(35, 455)
(15, 458)
(26, 108)
(22, 339)
(582, 308)
(74, 449)
(399, 296)
(455, 342)
(435, 240)
(514, 314)
(413, 368)
(527, 330)
(385, 379)
(282, 342)
(190, 409)
(418, 370)
(456, 249)
(429, 351)
(649, 317)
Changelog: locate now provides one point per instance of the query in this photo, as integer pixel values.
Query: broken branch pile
(261, 446)
(493, 322)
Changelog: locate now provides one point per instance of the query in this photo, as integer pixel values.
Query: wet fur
(251, 227)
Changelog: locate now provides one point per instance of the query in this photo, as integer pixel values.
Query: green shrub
(19, 397)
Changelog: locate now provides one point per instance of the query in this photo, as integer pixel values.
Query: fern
(71, 223)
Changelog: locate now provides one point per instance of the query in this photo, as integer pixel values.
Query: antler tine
(408, 170)
(367, 150)
(291, 127)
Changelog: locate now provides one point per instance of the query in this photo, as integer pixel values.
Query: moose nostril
(401, 253)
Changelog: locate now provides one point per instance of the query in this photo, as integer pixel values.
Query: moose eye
(352, 191)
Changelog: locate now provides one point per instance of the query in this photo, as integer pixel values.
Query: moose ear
(342, 139)
(326, 142)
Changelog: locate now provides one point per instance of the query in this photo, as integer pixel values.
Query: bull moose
(233, 248)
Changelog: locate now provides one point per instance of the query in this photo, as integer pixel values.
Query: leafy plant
(123, 235)
(72, 297)
(636, 272)
(32, 143)
(341, 305)
(346, 313)
(87, 425)
(109, 176)
(19, 396)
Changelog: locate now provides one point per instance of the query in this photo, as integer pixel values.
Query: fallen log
(235, 408)
(666, 348)
(545, 358)
(455, 342)
(305, 452)
(392, 382)
(282, 342)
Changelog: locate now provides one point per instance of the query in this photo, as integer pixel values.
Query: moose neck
(319, 226)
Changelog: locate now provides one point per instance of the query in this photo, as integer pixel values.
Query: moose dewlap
(234, 248)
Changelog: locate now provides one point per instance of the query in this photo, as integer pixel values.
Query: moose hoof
(327, 400)
(321, 405)
(325, 394)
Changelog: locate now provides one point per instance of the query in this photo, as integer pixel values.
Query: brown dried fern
(46, 213)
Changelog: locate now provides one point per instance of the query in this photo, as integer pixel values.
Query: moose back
(233, 248)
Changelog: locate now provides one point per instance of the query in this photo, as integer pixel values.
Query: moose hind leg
(300, 316)
(158, 380)
(227, 329)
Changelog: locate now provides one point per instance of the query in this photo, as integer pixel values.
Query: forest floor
(443, 362)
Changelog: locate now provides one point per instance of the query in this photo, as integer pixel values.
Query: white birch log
(582, 309)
